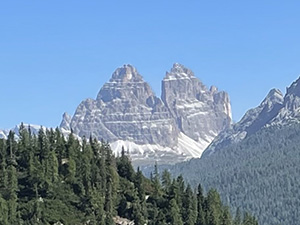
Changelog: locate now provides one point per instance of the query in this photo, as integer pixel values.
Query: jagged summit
(294, 88)
(179, 71)
(274, 110)
(274, 96)
(66, 121)
(126, 73)
(127, 84)
(175, 127)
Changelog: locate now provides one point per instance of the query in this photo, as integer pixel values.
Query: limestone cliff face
(180, 124)
(200, 113)
(274, 110)
(126, 109)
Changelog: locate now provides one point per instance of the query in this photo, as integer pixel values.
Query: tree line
(50, 179)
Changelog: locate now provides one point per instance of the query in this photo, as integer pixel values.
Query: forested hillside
(48, 179)
(260, 174)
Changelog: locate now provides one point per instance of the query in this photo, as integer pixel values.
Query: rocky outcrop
(126, 109)
(275, 110)
(200, 113)
(66, 121)
(122, 221)
(126, 112)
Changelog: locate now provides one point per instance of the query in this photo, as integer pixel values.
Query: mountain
(275, 109)
(200, 113)
(255, 163)
(258, 174)
(251, 122)
(175, 127)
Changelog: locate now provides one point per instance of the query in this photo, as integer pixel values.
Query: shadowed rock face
(274, 110)
(127, 109)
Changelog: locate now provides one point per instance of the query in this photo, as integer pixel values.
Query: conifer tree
(175, 216)
(214, 207)
(226, 217)
(166, 180)
(3, 165)
(156, 183)
(200, 206)
(189, 207)
(139, 184)
(3, 211)
(12, 199)
(138, 216)
(124, 166)
(238, 217)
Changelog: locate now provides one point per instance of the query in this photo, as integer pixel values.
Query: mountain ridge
(275, 109)
(126, 110)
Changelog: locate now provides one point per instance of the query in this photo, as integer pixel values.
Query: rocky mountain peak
(127, 113)
(200, 113)
(127, 84)
(66, 121)
(294, 89)
(179, 71)
(274, 96)
(126, 73)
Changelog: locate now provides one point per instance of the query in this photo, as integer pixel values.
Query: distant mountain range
(126, 113)
(274, 110)
(173, 128)
(255, 163)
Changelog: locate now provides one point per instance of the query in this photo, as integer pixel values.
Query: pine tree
(124, 166)
(214, 207)
(12, 199)
(138, 216)
(166, 180)
(238, 217)
(175, 216)
(156, 183)
(140, 187)
(226, 217)
(189, 207)
(3, 211)
(3, 165)
(200, 206)
(12, 180)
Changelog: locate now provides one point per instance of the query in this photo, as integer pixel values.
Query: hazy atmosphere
(55, 54)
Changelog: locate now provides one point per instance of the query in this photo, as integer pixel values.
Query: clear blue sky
(54, 54)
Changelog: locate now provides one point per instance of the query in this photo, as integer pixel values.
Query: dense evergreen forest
(50, 179)
(259, 174)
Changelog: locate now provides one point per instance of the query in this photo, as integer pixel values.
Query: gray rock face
(66, 122)
(290, 112)
(126, 110)
(275, 110)
(200, 113)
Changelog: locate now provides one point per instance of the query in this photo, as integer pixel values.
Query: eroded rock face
(252, 121)
(200, 113)
(275, 110)
(66, 121)
(127, 111)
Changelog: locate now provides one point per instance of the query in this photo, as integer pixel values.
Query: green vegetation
(46, 179)
(259, 174)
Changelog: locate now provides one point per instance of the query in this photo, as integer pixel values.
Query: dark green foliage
(46, 179)
(259, 175)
